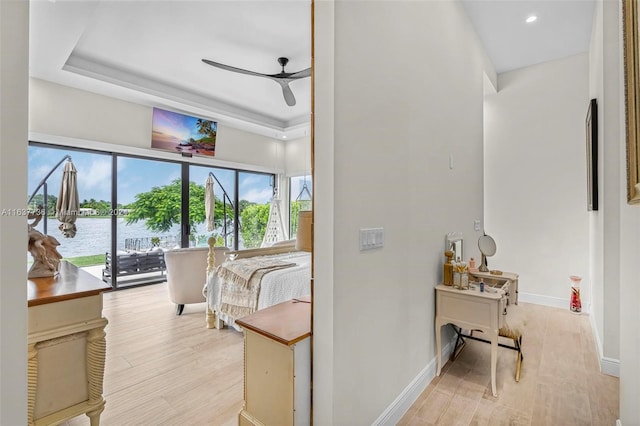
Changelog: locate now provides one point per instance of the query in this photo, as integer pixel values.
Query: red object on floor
(576, 304)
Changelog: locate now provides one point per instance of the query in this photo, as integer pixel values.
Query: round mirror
(487, 245)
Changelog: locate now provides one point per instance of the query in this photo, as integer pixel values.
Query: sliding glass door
(93, 236)
(135, 205)
(255, 192)
(224, 189)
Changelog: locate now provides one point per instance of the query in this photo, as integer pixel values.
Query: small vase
(576, 304)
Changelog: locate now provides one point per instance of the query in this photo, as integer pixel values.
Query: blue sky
(134, 176)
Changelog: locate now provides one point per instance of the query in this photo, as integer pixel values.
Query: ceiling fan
(282, 78)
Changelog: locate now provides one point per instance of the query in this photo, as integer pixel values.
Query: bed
(254, 279)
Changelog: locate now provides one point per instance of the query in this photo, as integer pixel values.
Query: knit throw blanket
(240, 283)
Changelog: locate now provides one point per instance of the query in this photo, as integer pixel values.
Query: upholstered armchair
(187, 274)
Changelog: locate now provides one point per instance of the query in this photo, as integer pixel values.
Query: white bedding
(276, 286)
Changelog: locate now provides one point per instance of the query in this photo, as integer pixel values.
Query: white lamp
(304, 236)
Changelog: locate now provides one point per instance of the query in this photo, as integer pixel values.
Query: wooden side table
(277, 365)
(66, 346)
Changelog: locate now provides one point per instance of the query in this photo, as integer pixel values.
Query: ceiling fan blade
(301, 74)
(288, 94)
(234, 69)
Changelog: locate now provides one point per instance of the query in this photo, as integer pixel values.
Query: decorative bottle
(576, 304)
(448, 268)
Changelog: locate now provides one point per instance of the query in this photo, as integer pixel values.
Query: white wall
(398, 89)
(14, 58)
(606, 79)
(57, 110)
(620, 225)
(297, 157)
(535, 178)
(596, 219)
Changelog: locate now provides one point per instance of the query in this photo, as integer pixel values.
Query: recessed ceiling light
(531, 19)
(284, 136)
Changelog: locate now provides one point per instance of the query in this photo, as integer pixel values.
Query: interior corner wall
(14, 69)
(606, 73)
(58, 110)
(535, 178)
(596, 223)
(389, 140)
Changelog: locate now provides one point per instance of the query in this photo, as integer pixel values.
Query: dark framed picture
(592, 155)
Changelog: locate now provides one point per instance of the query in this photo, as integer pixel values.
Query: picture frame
(632, 97)
(591, 126)
(183, 134)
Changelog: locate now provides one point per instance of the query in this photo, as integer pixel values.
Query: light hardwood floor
(560, 383)
(168, 370)
(163, 369)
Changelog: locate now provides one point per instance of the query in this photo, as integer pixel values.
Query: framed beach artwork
(175, 132)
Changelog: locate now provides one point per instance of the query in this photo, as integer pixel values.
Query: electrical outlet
(476, 225)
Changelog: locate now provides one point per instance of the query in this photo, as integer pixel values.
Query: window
(300, 190)
(144, 205)
(93, 224)
(149, 204)
(224, 190)
(255, 193)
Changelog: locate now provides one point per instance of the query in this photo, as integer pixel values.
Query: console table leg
(94, 416)
(96, 352)
(494, 359)
(438, 347)
(32, 381)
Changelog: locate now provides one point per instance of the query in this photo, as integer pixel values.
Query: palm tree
(204, 126)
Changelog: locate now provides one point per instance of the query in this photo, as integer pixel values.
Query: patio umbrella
(68, 204)
(209, 203)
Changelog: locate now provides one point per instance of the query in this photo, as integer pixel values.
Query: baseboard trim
(555, 302)
(610, 366)
(394, 412)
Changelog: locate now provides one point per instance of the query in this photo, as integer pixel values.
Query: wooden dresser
(277, 365)
(66, 346)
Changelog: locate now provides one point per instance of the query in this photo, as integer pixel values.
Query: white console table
(66, 347)
(471, 310)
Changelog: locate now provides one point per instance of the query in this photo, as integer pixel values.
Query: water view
(94, 235)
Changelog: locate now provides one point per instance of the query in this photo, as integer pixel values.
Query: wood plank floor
(168, 370)
(560, 382)
(163, 369)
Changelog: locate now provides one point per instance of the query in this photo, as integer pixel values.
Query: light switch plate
(371, 238)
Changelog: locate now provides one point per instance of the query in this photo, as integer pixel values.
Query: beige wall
(14, 57)
(398, 92)
(86, 118)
